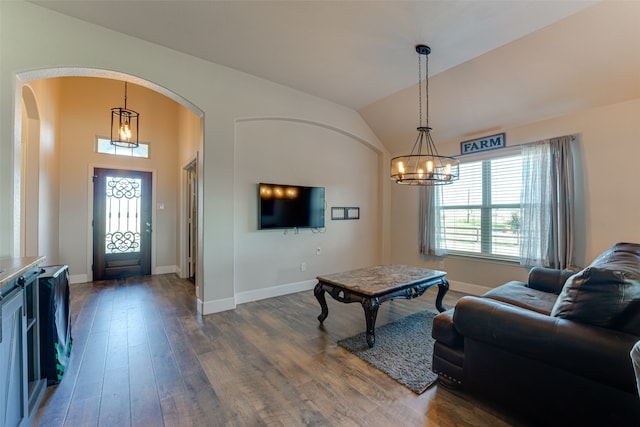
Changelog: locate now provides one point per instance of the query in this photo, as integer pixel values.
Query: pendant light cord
(426, 87)
(420, 89)
(426, 91)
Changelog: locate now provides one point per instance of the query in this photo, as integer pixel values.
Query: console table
(371, 286)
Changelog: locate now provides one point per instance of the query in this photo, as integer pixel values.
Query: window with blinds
(480, 213)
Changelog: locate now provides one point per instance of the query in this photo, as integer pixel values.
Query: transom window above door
(104, 146)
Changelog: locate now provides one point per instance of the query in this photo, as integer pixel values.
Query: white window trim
(479, 157)
(106, 138)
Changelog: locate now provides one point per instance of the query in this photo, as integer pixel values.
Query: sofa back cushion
(607, 292)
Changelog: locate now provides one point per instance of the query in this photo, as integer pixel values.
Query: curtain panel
(547, 203)
(430, 235)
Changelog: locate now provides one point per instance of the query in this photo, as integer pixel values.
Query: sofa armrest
(589, 351)
(548, 279)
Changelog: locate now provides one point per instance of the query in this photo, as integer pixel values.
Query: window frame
(115, 153)
(486, 208)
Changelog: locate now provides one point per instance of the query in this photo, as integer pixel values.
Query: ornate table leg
(443, 287)
(318, 291)
(371, 306)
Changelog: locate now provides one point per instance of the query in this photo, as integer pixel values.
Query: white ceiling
(361, 53)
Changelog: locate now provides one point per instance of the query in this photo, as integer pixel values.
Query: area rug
(403, 350)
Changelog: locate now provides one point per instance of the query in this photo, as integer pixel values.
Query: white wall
(606, 205)
(41, 148)
(282, 151)
(32, 38)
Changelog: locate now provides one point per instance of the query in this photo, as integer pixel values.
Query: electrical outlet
(303, 266)
(318, 250)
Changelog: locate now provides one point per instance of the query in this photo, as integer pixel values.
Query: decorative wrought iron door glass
(123, 224)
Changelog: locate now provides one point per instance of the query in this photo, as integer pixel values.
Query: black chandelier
(424, 166)
(124, 125)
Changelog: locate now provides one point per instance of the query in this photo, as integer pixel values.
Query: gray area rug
(403, 350)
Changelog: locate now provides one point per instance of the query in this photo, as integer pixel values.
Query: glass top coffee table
(371, 286)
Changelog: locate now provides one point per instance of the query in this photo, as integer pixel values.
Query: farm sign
(483, 144)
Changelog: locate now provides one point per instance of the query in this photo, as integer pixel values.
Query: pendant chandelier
(424, 166)
(124, 125)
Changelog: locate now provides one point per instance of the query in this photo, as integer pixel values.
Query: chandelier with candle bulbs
(424, 166)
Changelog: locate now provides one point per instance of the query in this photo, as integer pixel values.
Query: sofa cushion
(604, 293)
(548, 279)
(520, 295)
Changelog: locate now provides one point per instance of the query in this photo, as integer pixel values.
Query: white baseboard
(468, 288)
(166, 269)
(275, 291)
(216, 306)
(210, 307)
(84, 278)
(78, 278)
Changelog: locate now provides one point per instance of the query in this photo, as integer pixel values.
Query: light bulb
(429, 166)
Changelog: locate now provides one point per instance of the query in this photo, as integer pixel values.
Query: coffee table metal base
(371, 303)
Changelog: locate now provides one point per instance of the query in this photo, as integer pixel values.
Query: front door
(121, 223)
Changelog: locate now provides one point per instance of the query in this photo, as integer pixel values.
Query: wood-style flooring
(143, 356)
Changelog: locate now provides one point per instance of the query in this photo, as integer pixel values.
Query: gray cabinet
(21, 383)
(36, 385)
(13, 361)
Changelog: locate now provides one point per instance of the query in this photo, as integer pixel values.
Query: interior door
(121, 223)
(192, 224)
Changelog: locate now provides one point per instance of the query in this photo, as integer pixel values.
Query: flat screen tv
(290, 206)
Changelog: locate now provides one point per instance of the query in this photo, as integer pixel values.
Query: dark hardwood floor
(142, 356)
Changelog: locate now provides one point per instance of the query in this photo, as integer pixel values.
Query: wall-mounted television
(290, 206)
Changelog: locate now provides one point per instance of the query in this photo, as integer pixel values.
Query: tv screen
(290, 206)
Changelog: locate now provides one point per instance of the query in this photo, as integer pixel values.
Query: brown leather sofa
(555, 350)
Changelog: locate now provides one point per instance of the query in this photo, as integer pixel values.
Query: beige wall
(32, 39)
(189, 150)
(40, 175)
(606, 208)
(282, 151)
(85, 108)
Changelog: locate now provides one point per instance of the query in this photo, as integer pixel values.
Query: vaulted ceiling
(494, 64)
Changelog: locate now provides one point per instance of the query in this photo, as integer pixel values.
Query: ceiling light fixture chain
(125, 95)
(424, 166)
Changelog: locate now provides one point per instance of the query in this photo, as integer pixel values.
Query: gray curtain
(430, 237)
(547, 203)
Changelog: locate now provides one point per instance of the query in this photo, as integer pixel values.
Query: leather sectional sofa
(555, 350)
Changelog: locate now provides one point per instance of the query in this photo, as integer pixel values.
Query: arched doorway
(29, 173)
(24, 80)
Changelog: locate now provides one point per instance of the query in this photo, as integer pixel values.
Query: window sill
(484, 257)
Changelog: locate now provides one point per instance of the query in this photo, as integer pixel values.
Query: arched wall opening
(43, 139)
(29, 172)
